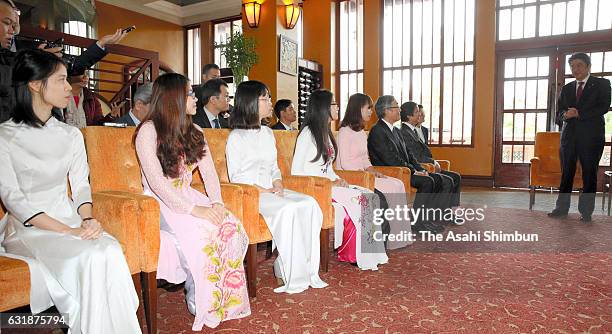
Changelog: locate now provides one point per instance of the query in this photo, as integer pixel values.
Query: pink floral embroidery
(226, 231)
(234, 279)
(227, 274)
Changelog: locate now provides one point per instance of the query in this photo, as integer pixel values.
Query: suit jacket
(415, 146)
(126, 119)
(278, 126)
(386, 150)
(201, 119)
(592, 106)
(425, 133)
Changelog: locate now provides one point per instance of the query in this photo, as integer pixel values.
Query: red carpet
(533, 288)
(560, 284)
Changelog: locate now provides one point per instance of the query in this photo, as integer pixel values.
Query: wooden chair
(545, 168)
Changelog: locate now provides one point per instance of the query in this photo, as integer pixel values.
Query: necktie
(216, 123)
(416, 133)
(579, 91)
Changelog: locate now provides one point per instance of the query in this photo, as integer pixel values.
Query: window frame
(348, 72)
(537, 37)
(186, 58)
(441, 65)
(213, 48)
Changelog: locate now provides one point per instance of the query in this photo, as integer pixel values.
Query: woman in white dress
(294, 219)
(358, 239)
(74, 264)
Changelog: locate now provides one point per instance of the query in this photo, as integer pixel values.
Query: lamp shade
(251, 12)
(292, 14)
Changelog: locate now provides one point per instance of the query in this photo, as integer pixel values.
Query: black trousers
(432, 191)
(456, 188)
(588, 152)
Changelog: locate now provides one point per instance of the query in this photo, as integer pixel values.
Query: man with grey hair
(140, 110)
(386, 148)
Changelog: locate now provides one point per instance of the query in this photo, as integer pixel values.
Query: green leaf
(217, 295)
(214, 278)
(215, 261)
(235, 264)
(240, 55)
(208, 250)
(220, 313)
(232, 301)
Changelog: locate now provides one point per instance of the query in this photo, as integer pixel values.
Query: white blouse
(305, 151)
(251, 157)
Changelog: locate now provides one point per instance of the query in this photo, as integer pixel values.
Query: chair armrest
(232, 198)
(429, 167)
(358, 178)
(444, 164)
(401, 173)
(323, 196)
(302, 184)
(318, 188)
(250, 213)
(148, 223)
(116, 215)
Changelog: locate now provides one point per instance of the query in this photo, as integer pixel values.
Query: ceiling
(181, 12)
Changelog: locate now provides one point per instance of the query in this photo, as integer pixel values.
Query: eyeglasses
(268, 99)
(191, 93)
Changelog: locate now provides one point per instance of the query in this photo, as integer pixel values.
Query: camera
(58, 42)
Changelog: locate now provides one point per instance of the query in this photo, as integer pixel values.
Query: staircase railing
(118, 74)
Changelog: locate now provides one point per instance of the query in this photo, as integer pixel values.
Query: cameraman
(9, 28)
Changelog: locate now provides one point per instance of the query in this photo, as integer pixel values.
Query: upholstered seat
(114, 214)
(285, 146)
(545, 168)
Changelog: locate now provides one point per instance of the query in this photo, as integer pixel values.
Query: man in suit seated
(140, 110)
(413, 135)
(285, 115)
(386, 148)
(212, 105)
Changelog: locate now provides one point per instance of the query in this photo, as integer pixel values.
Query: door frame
(517, 174)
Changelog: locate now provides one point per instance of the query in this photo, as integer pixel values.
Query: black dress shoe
(557, 214)
(585, 219)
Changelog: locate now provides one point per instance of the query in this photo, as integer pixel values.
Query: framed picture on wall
(288, 56)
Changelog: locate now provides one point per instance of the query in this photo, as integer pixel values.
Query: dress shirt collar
(134, 118)
(389, 125)
(211, 117)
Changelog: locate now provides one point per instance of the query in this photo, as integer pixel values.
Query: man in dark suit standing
(412, 116)
(140, 110)
(581, 108)
(212, 105)
(386, 148)
(285, 115)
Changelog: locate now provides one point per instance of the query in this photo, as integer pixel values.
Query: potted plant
(240, 55)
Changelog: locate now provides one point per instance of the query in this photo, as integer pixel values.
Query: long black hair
(246, 109)
(318, 114)
(31, 65)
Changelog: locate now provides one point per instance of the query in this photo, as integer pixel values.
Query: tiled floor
(519, 199)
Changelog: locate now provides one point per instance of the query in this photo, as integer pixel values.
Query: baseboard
(477, 181)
